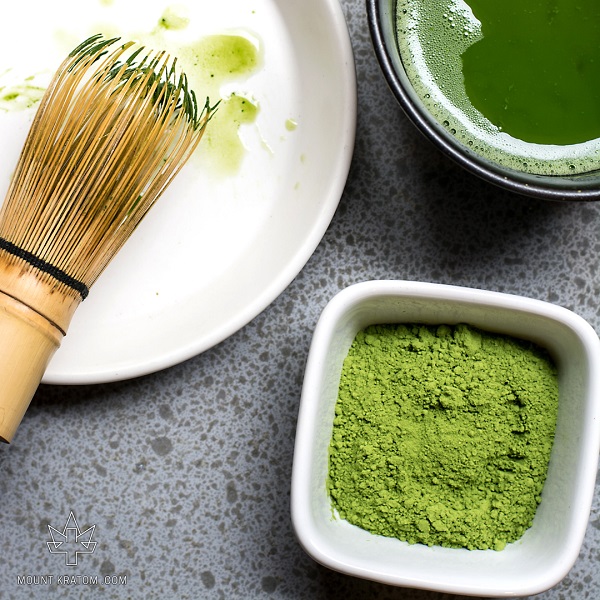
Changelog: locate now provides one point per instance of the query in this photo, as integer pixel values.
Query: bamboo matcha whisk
(114, 127)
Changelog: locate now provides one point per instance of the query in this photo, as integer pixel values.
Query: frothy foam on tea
(435, 39)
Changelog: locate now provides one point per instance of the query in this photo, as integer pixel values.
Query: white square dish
(548, 549)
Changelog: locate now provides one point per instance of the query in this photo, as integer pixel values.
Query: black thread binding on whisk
(45, 267)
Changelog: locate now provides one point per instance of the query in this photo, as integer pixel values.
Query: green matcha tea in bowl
(447, 439)
(509, 90)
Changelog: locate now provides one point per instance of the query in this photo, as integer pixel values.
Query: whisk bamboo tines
(114, 127)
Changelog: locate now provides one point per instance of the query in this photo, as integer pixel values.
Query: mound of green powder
(442, 435)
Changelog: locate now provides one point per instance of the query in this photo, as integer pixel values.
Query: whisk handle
(27, 342)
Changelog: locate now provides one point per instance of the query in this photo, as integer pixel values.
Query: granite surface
(186, 473)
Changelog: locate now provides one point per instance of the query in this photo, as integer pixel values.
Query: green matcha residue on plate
(211, 63)
(21, 96)
(174, 18)
(226, 150)
(217, 67)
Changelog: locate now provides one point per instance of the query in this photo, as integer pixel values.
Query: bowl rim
(506, 178)
(309, 528)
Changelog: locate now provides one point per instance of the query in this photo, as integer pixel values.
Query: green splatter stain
(20, 97)
(226, 56)
(225, 149)
(174, 18)
(211, 63)
(291, 125)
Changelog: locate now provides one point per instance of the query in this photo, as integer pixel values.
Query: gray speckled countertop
(186, 473)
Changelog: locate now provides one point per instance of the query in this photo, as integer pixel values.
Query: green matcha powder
(442, 435)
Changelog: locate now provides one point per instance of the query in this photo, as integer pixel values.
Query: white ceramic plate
(217, 249)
